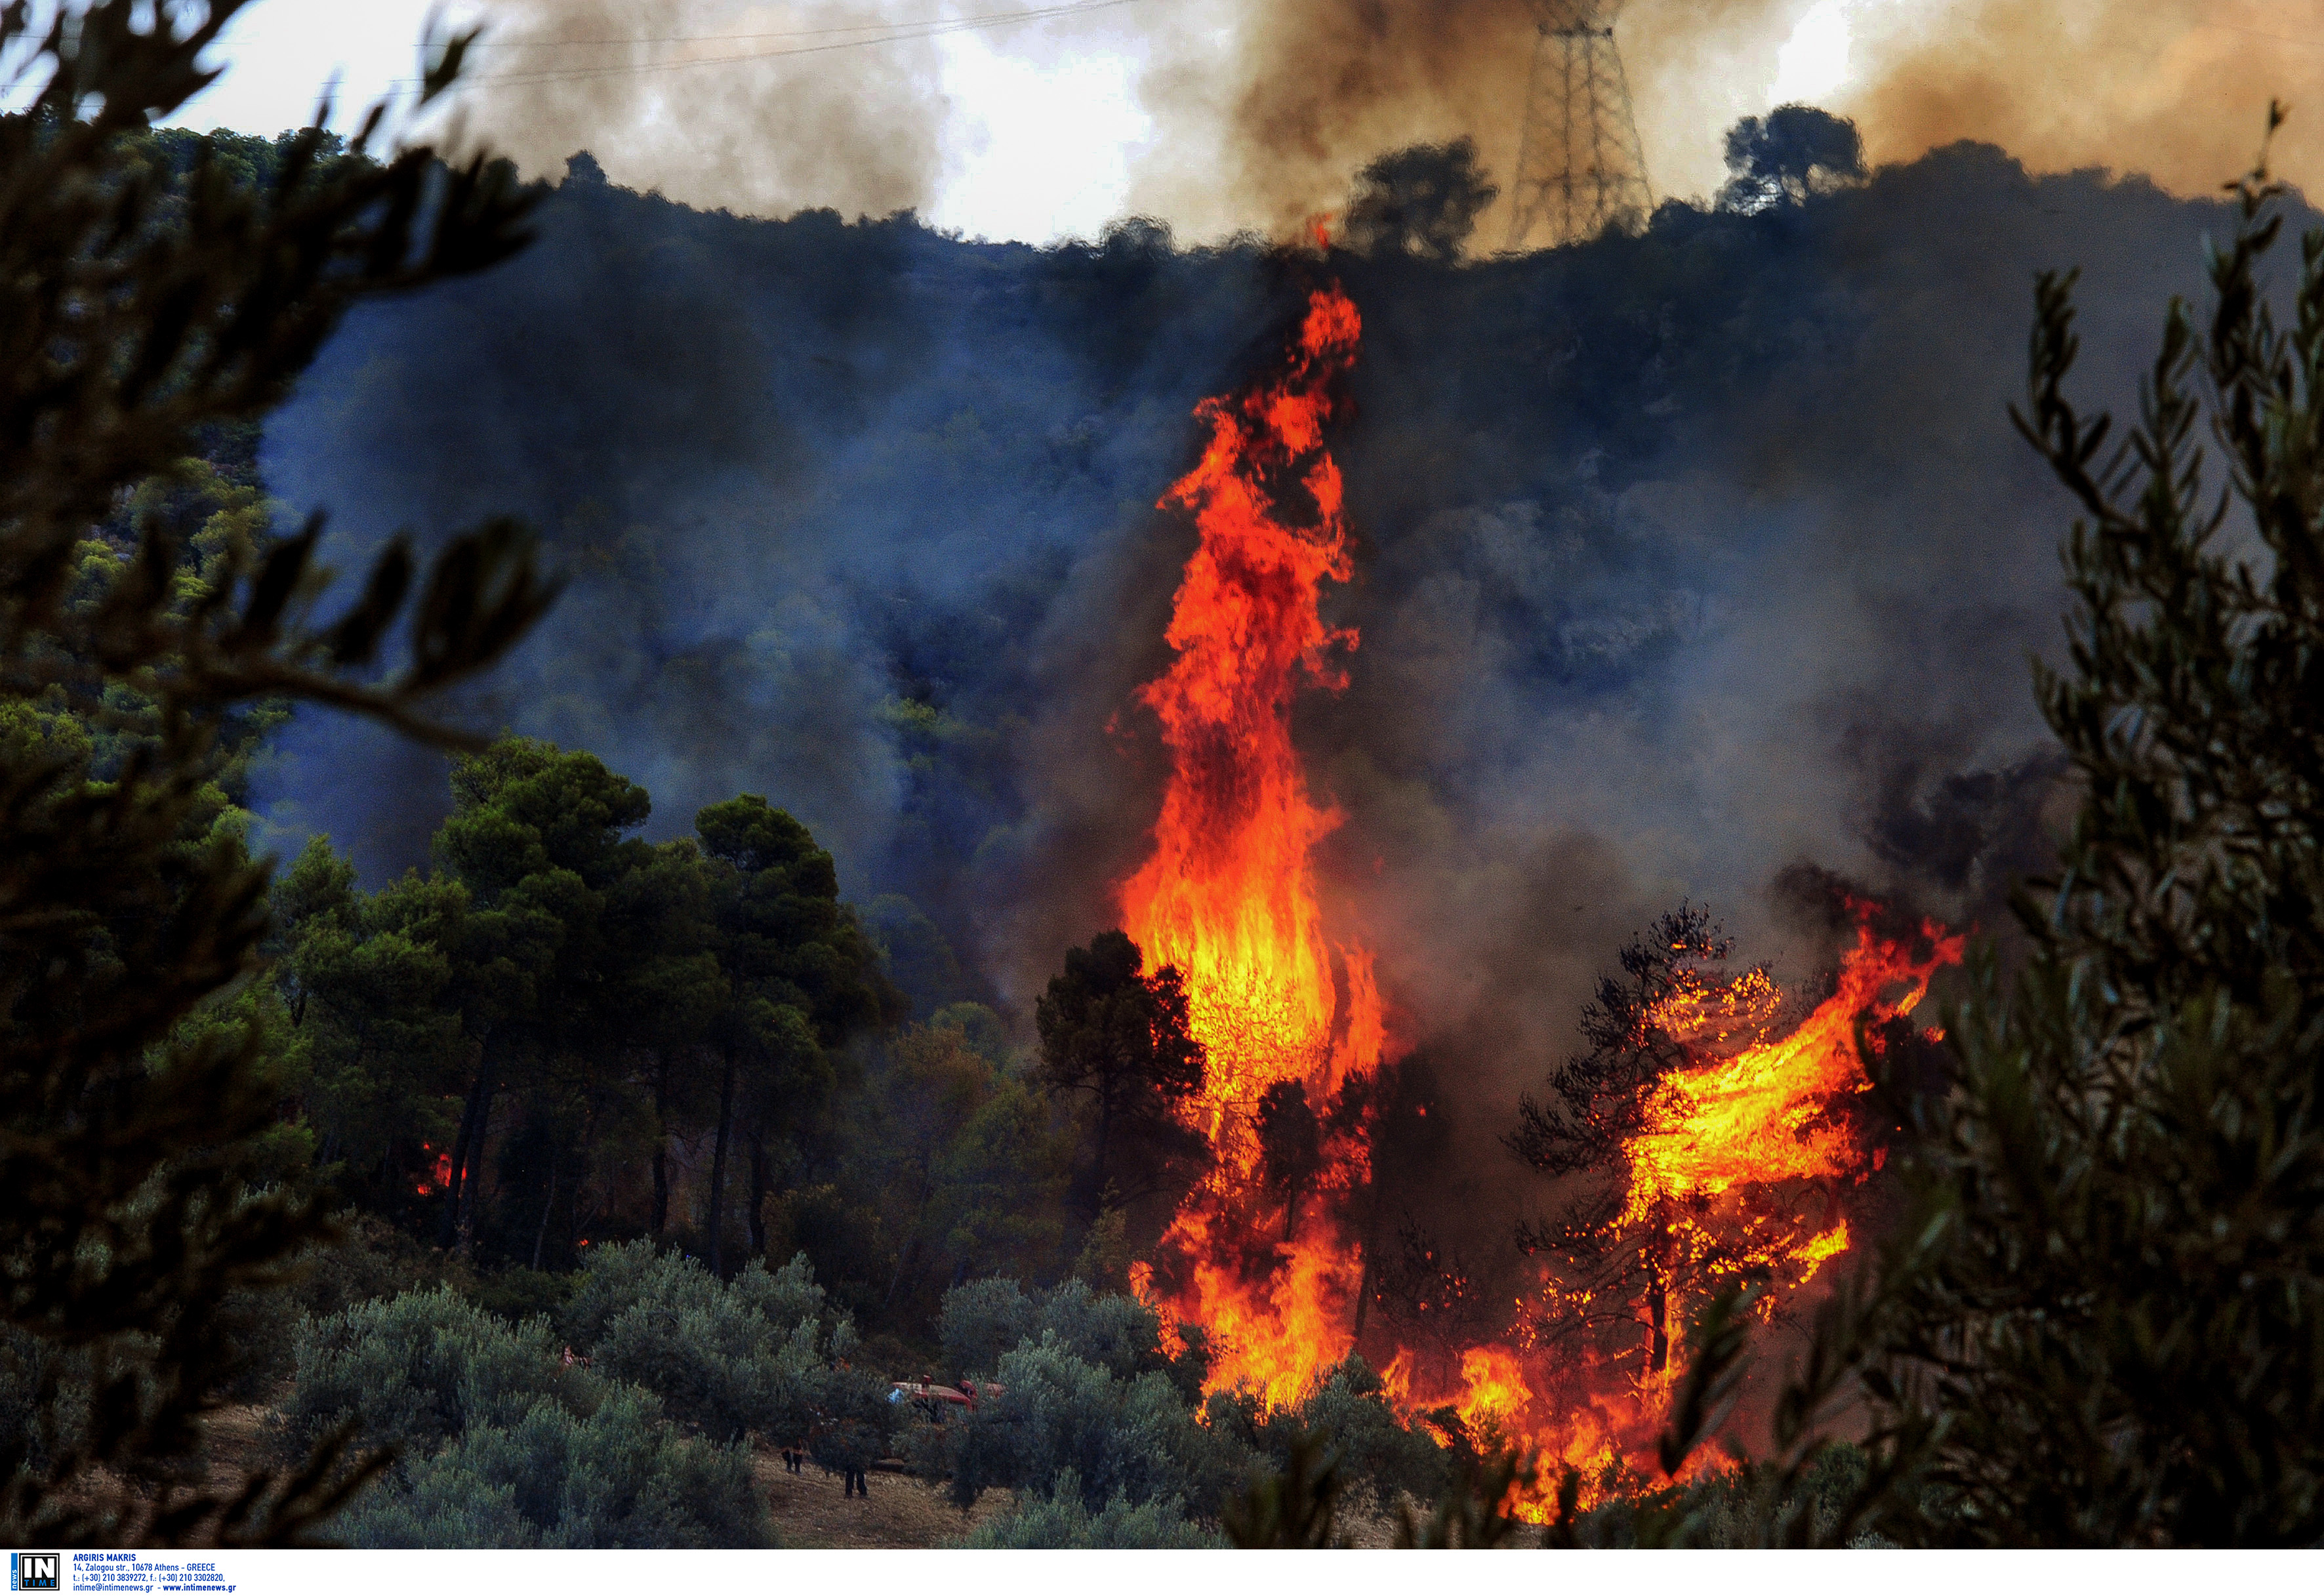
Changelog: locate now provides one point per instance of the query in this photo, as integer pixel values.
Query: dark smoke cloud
(1313, 89)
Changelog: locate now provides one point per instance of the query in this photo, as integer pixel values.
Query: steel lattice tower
(1580, 166)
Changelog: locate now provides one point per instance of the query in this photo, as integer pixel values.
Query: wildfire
(1741, 1150)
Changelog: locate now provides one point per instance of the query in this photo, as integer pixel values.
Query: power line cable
(491, 42)
(898, 32)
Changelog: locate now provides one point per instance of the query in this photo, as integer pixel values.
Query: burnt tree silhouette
(1290, 1147)
(1122, 1037)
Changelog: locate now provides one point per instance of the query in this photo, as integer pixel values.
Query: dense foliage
(2114, 1301)
(1118, 1034)
(1092, 1404)
(499, 1444)
(1061, 1520)
(146, 311)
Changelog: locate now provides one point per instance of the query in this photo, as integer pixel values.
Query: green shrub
(1060, 1414)
(1089, 1392)
(519, 1294)
(617, 1477)
(624, 1275)
(418, 1370)
(1345, 1415)
(982, 1320)
(372, 1260)
(856, 1421)
(1061, 1520)
(1118, 1333)
(1349, 1407)
(754, 1353)
(499, 1444)
(445, 1508)
(43, 1400)
(1731, 1509)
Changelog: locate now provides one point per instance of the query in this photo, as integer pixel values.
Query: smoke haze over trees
(1681, 558)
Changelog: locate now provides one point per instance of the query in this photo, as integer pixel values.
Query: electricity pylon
(1580, 167)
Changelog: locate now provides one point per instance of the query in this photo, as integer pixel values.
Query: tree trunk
(661, 1146)
(1097, 1174)
(758, 1192)
(911, 1246)
(469, 1137)
(547, 1205)
(1370, 1246)
(718, 1171)
(903, 1261)
(467, 1239)
(449, 1229)
(1658, 1306)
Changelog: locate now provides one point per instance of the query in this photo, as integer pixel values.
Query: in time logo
(34, 1570)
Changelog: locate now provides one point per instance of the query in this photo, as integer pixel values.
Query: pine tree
(1122, 1037)
(1613, 1275)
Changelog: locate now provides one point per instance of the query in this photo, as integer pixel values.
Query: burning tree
(1429, 1298)
(1287, 1020)
(1699, 1147)
(1615, 1257)
(1290, 1147)
(1703, 1149)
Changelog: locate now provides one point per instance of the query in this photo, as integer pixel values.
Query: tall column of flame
(1228, 894)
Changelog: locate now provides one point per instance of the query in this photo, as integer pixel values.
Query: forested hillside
(1680, 555)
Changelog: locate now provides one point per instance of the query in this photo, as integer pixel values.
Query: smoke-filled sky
(1221, 115)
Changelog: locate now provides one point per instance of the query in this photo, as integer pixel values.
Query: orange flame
(1761, 1117)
